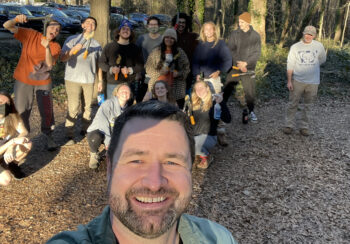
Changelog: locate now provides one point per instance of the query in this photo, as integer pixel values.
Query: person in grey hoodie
(101, 127)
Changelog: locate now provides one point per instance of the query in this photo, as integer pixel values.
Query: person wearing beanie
(122, 60)
(303, 78)
(245, 46)
(169, 62)
(186, 39)
(147, 42)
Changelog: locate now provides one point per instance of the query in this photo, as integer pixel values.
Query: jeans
(204, 143)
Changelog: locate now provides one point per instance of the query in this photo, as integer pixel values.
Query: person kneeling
(206, 121)
(102, 126)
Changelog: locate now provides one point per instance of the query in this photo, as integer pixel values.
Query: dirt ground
(265, 187)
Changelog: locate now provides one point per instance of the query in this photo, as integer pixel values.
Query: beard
(140, 222)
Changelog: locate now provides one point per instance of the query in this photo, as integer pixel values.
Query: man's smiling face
(150, 185)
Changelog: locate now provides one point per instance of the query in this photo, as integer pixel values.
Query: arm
(11, 24)
(289, 79)
(103, 61)
(323, 56)
(254, 53)
(49, 60)
(195, 62)
(233, 48)
(100, 80)
(226, 58)
(184, 66)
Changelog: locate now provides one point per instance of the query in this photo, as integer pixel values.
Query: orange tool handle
(235, 67)
(125, 76)
(116, 76)
(85, 54)
(192, 120)
(75, 52)
(235, 75)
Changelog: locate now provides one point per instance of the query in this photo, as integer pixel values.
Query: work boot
(69, 136)
(51, 144)
(94, 160)
(222, 139)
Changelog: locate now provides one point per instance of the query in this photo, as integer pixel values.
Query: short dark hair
(152, 109)
(90, 17)
(153, 18)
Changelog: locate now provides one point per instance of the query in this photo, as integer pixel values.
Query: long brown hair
(169, 95)
(12, 119)
(197, 102)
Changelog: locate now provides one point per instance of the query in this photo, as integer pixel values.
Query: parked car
(55, 5)
(68, 24)
(3, 16)
(11, 11)
(139, 18)
(76, 14)
(84, 8)
(164, 19)
(117, 19)
(116, 10)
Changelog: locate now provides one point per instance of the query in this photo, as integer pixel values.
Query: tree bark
(306, 21)
(345, 23)
(200, 9)
(99, 10)
(340, 15)
(323, 7)
(257, 9)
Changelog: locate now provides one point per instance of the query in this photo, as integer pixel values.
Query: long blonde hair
(12, 119)
(216, 33)
(197, 102)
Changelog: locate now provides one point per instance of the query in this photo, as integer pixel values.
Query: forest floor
(265, 187)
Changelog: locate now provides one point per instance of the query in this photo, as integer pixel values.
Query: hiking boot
(205, 162)
(222, 139)
(253, 117)
(51, 144)
(287, 130)
(94, 161)
(304, 132)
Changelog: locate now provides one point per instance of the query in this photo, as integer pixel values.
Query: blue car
(139, 18)
(68, 24)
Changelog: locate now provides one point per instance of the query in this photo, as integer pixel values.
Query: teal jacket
(192, 230)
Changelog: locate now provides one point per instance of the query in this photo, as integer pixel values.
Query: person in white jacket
(303, 73)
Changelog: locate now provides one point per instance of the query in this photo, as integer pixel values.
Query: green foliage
(271, 73)
(9, 55)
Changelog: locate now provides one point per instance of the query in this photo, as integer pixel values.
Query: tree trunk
(323, 7)
(345, 23)
(257, 9)
(99, 10)
(307, 19)
(340, 14)
(286, 11)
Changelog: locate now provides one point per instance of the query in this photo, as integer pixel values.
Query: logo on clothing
(308, 57)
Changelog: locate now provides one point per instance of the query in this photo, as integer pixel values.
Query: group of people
(149, 176)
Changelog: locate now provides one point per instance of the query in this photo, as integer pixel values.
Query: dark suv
(68, 24)
(11, 11)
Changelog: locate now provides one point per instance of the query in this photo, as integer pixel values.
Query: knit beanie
(246, 17)
(171, 33)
